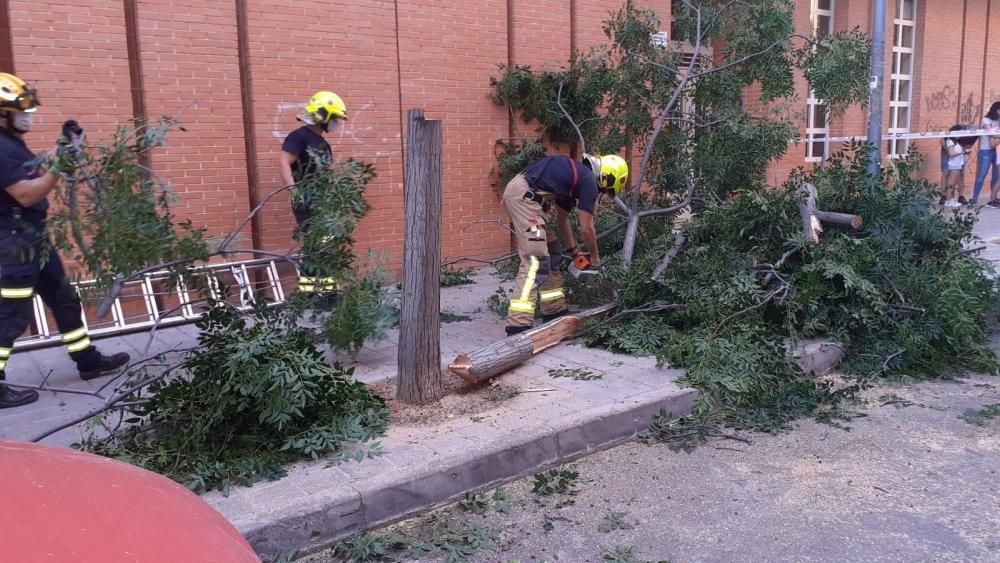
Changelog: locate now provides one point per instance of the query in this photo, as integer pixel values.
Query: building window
(817, 116)
(904, 33)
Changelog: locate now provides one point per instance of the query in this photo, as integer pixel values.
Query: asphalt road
(911, 481)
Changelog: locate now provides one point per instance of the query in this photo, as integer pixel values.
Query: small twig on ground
(777, 266)
(766, 300)
(885, 364)
(961, 253)
(895, 289)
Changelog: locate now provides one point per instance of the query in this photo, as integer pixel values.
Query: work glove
(72, 137)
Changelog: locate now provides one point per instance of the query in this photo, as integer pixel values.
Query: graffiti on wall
(969, 111)
(946, 99)
(942, 100)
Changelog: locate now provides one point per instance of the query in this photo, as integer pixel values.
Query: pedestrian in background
(957, 149)
(986, 160)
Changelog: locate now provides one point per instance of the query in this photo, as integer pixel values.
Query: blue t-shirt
(14, 167)
(556, 174)
(299, 142)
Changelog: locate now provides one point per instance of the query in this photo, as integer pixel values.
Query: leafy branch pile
(900, 296)
(255, 395)
(711, 269)
(113, 215)
(257, 392)
(363, 310)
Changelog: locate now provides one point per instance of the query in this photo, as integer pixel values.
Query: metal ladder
(183, 312)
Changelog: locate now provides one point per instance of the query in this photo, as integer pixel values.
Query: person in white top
(986, 159)
(955, 169)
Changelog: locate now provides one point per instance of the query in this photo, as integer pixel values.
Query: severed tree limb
(811, 226)
(679, 240)
(499, 357)
(843, 219)
(813, 218)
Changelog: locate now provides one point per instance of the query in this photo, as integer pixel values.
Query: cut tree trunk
(843, 219)
(813, 218)
(499, 357)
(811, 226)
(419, 358)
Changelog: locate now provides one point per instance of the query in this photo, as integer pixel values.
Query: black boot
(10, 398)
(106, 365)
(512, 330)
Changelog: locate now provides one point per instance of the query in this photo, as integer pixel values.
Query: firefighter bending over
(527, 199)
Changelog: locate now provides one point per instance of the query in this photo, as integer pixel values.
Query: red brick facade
(382, 58)
(954, 77)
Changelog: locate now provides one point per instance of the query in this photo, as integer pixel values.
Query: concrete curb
(320, 519)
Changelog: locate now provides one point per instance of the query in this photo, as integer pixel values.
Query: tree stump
(419, 360)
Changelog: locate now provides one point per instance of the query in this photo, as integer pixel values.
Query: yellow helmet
(15, 95)
(611, 172)
(324, 106)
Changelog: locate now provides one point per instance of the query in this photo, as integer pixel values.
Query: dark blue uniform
(572, 182)
(29, 264)
(310, 150)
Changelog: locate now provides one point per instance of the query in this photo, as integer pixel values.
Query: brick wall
(75, 55)
(954, 80)
(191, 72)
(384, 58)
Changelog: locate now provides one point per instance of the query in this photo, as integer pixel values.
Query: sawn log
(812, 218)
(492, 360)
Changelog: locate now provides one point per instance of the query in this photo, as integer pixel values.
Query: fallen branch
(499, 357)
(679, 240)
(965, 252)
(885, 364)
(765, 301)
(108, 404)
(813, 218)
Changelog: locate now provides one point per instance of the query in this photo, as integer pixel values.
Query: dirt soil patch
(461, 399)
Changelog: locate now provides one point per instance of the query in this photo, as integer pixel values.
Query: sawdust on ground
(461, 398)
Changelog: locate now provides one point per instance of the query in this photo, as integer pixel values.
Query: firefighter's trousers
(28, 265)
(311, 278)
(540, 254)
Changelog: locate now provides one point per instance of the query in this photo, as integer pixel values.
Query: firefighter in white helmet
(527, 198)
(305, 153)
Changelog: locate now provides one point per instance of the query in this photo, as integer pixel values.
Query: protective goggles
(27, 101)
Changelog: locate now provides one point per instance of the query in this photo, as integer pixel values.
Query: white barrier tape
(903, 136)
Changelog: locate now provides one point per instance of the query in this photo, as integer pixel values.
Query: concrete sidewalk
(988, 229)
(472, 439)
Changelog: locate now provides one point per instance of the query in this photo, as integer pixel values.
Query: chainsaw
(579, 267)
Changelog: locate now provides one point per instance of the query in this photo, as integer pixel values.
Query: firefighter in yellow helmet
(527, 198)
(305, 152)
(28, 260)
